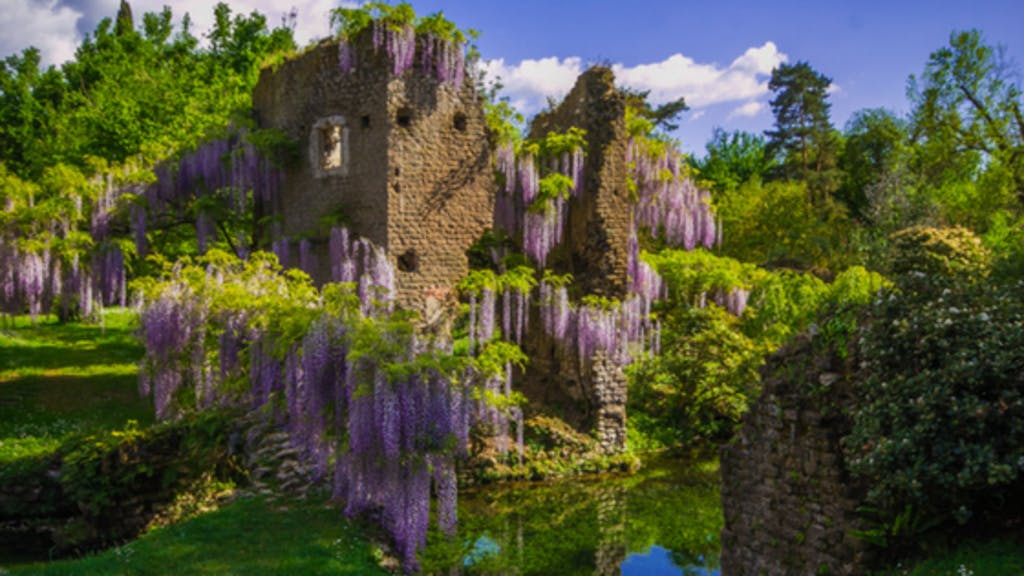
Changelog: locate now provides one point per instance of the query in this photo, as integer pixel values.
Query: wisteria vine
(379, 412)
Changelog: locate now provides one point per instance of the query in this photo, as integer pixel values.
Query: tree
(877, 147)
(803, 140)
(124, 23)
(967, 113)
(663, 116)
(29, 97)
(734, 158)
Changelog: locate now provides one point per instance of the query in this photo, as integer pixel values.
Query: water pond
(664, 520)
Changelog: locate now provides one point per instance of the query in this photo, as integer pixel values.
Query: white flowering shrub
(938, 432)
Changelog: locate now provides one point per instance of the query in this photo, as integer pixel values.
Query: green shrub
(938, 433)
(698, 387)
(938, 253)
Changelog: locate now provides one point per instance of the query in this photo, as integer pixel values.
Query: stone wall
(597, 233)
(788, 502)
(591, 396)
(440, 182)
(416, 176)
(292, 98)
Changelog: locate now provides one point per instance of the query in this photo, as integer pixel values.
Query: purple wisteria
(381, 435)
(360, 261)
(520, 209)
(668, 202)
(444, 59)
(228, 169)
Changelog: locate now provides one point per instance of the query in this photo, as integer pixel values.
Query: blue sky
(717, 54)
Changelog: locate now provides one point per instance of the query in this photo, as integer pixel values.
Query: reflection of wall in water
(611, 525)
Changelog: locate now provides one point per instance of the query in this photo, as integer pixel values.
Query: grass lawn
(251, 537)
(61, 378)
(57, 379)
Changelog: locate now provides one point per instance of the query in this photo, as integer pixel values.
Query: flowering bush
(938, 431)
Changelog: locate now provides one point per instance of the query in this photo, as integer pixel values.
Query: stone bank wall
(788, 503)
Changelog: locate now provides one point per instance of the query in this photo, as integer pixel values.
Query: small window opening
(460, 122)
(328, 143)
(408, 261)
(398, 171)
(404, 117)
(364, 122)
(330, 147)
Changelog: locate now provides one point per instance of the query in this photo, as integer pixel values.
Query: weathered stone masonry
(405, 162)
(414, 176)
(789, 505)
(594, 251)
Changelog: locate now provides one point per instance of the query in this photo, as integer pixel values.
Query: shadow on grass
(61, 378)
(49, 346)
(291, 538)
(94, 401)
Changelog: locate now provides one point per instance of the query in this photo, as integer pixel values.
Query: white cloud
(532, 82)
(45, 25)
(705, 84)
(744, 80)
(748, 110)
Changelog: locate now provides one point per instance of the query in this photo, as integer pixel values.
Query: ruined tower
(400, 159)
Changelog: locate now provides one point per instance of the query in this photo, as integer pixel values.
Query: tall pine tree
(803, 140)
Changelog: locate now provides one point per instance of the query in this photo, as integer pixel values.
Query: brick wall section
(788, 502)
(292, 98)
(425, 188)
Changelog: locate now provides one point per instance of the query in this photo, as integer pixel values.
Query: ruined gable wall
(589, 395)
(422, 190)
(597, 233)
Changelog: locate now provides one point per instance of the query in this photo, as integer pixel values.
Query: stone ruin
(404, 161)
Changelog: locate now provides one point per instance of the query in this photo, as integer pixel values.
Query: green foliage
(967, 113)
(877, 146)
(803, 139)
(660, 117)
(774, 225)
(101, 470)
(973, 558)
(934, 254)
(349, 22)
(555, 144)
(939, 423)
(552, 186)
(734, 158)
(502, 120)
(477, 281)
(698, 387)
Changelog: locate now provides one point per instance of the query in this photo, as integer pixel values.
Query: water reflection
(664, 520)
